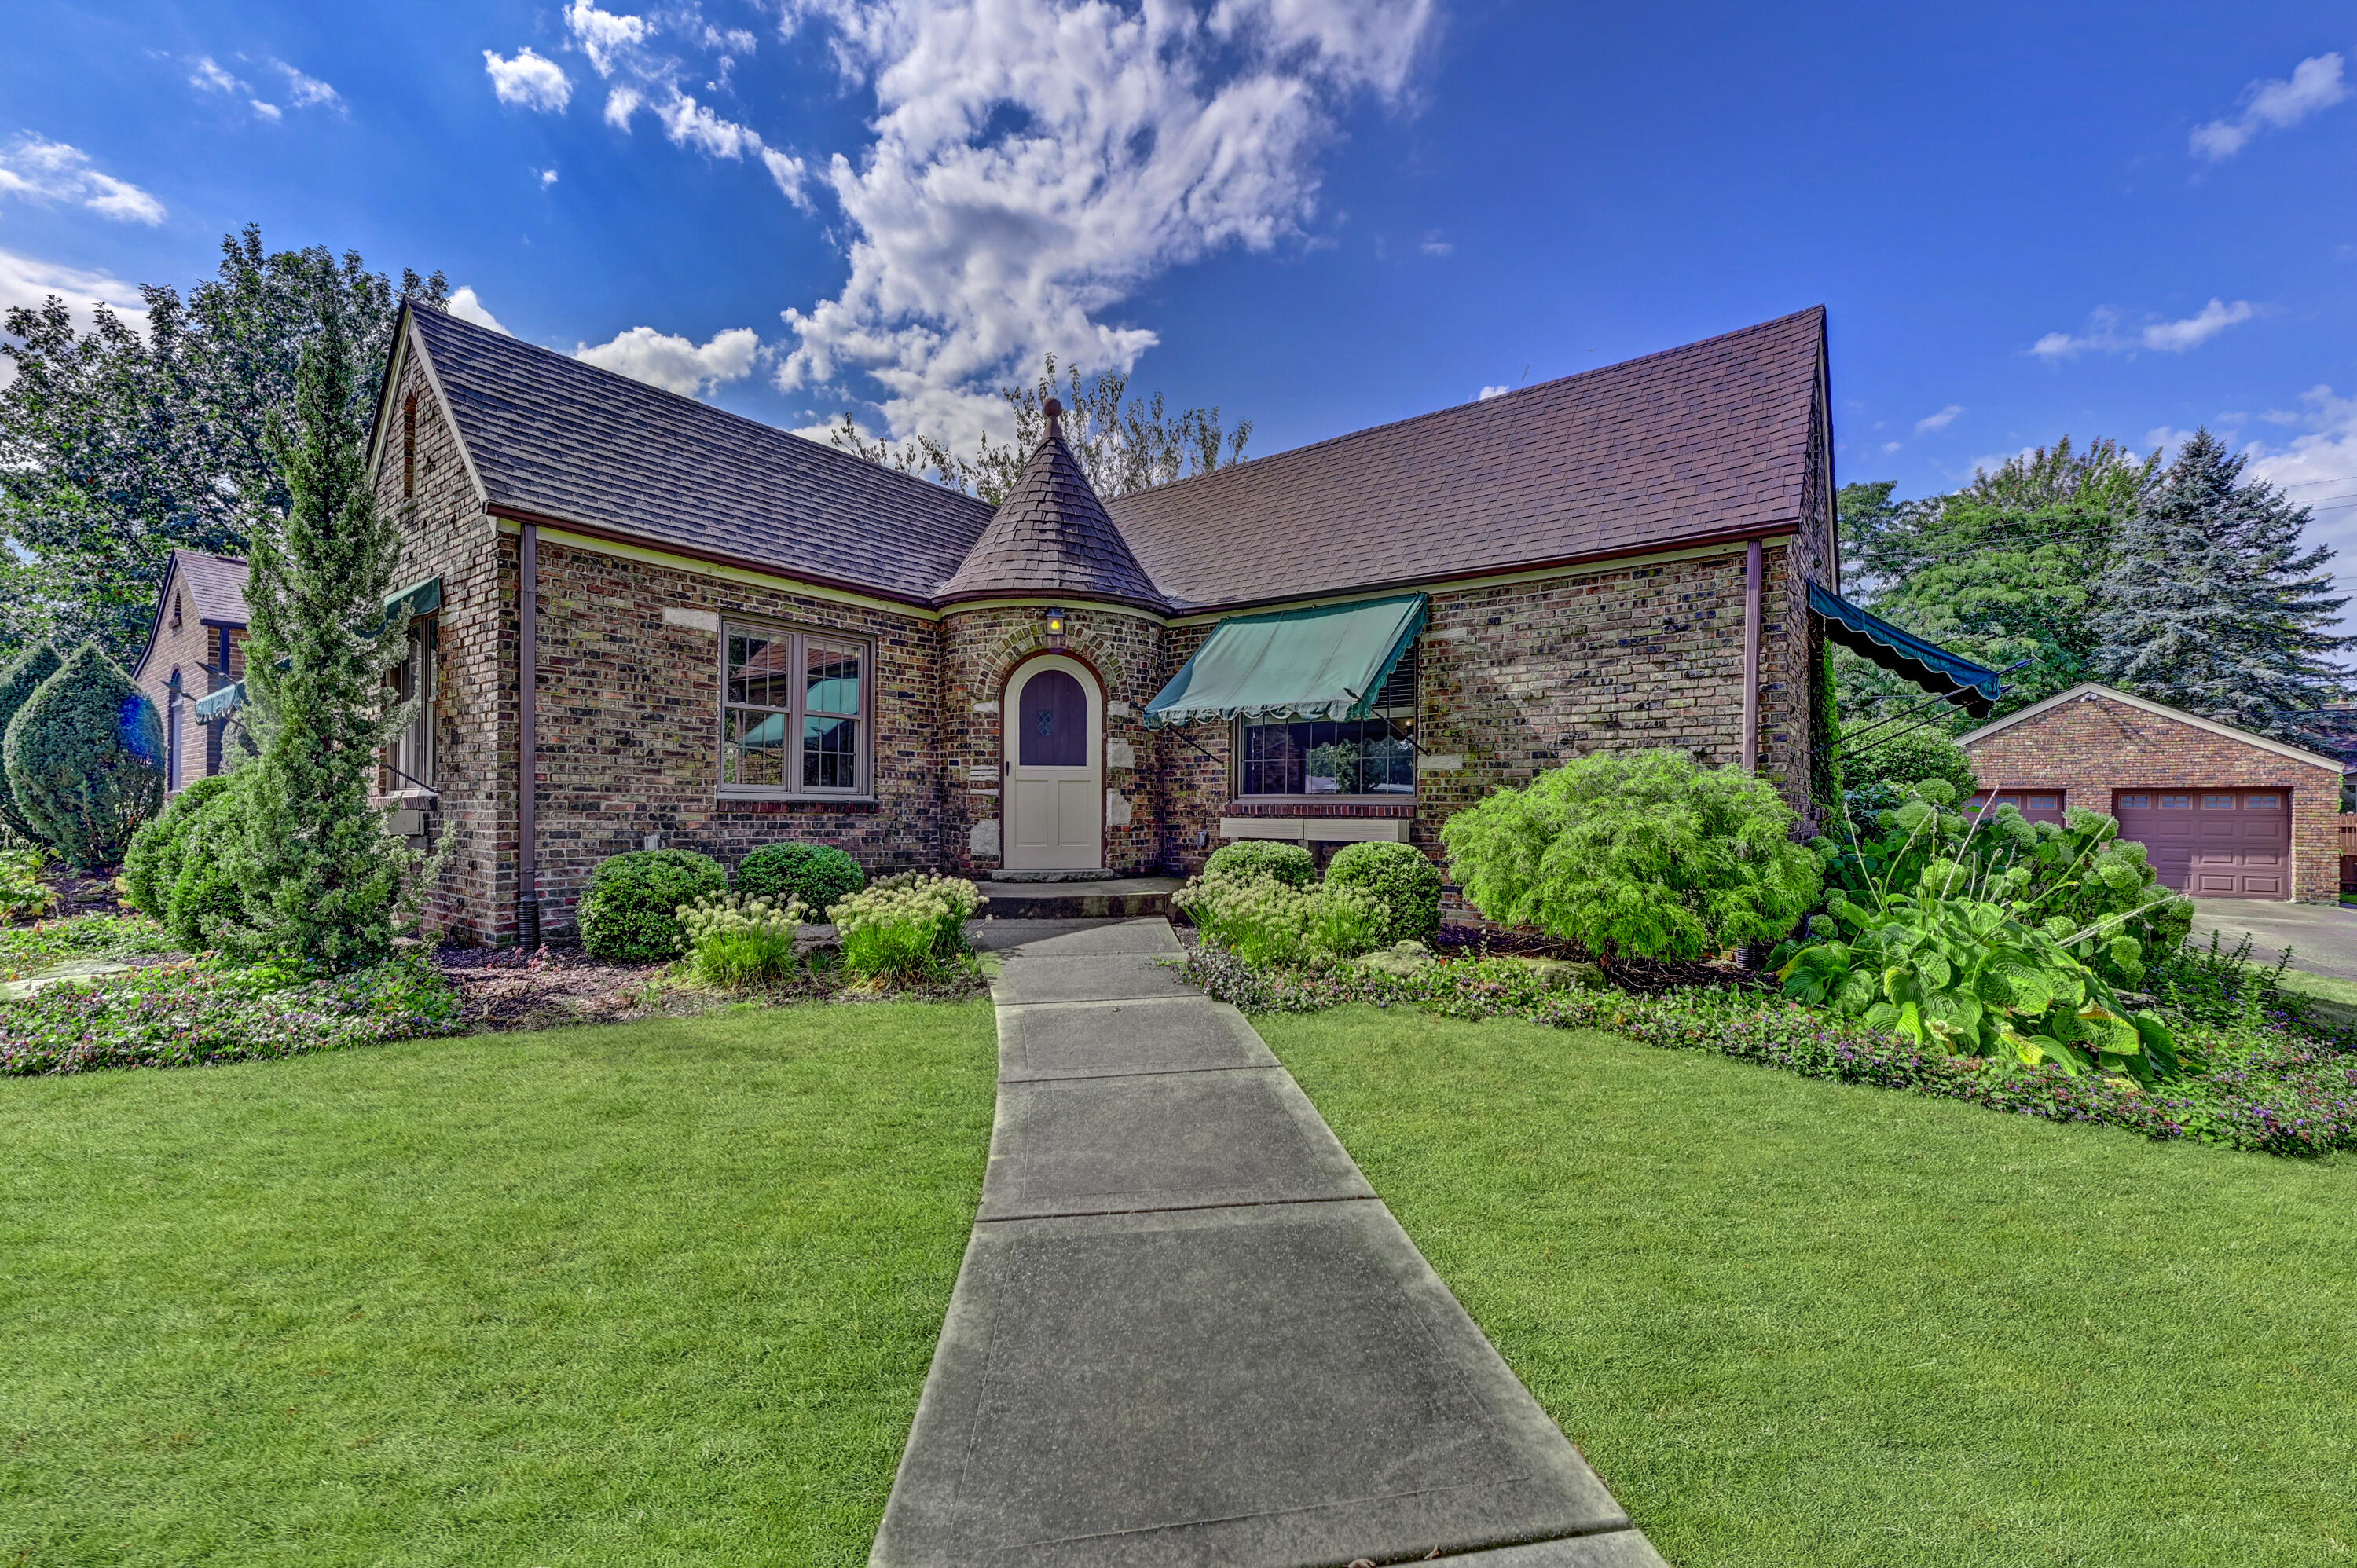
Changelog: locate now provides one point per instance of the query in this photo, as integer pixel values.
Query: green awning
(1323, 663)
(1972, 687)
(400, 608)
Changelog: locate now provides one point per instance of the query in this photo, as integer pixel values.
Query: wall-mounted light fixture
(1056, 623)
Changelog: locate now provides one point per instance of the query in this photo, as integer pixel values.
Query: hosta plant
(736, 941)
(1981, 977)
(907, 927)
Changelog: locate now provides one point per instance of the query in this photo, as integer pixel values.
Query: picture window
(793, 714)
(1371, 757)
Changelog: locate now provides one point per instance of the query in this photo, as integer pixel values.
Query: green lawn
(648, 1294)
(1793, 1322)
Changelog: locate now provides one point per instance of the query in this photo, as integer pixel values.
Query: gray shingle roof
(1050, 535)
(558, 438)
(216, 585)
(1706, 439)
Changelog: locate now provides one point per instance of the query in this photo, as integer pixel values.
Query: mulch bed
(1647, 977)
(503, 988)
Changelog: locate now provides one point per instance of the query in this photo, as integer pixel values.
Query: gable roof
(2159, 710)
(1714, 439)
(215, 586)
(553, 439)
(1050, 535)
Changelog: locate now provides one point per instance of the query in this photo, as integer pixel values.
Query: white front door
(1054, 801)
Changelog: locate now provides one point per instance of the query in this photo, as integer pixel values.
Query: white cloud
(27, 281)
(2276, 103)
(1489, 393)
(675, 364)
(528, 81)
(1434, 245)
(1891, 446)
(208, 75)
(266, 111)
(1939, 421)
(2318, 468)
(307, 92)
(1035, 162)
(2106, 333)
(638, 76)
(466, 306)
(35, 169)
(548, 176)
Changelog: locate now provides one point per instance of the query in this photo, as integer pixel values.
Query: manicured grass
(1795, 1321)
(658, 1293)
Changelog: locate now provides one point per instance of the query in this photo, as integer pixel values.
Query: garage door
(2213, 843)
(2038, 805)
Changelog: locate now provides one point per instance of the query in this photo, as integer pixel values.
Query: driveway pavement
(1187, 1333)
(2322, 936)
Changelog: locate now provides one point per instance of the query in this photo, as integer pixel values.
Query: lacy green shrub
(1637, 851)
(736, 941)
(631, 913)
(1403, 881)
(151, 867)
(1288, 863)
(17, 683)
(906, 927)
(24, 896)
(812, 874)
(85, 760)
(1264, 920)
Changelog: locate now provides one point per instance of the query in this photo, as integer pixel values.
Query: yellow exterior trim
(714, 569)
(1067, 603)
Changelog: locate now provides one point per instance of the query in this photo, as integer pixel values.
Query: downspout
(527, 758)
(1752, 658)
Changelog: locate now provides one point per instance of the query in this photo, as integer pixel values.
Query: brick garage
(2260, 819)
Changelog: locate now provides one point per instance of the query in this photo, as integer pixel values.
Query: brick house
(195, 648)
(2224, 813)
(741, 635)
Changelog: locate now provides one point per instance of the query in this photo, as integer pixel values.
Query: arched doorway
(1053, 811)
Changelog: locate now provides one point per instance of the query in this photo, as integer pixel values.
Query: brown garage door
(2213, 843)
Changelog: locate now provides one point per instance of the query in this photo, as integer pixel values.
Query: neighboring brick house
(195, 647)
(741, 635)
(2224, 813)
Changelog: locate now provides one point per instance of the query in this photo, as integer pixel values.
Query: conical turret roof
(1050, 535)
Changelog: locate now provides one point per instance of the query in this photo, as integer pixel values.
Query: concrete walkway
(2322, 936)
(1187, 1332)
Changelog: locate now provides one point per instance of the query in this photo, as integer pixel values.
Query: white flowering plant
(736, 941)
(1266, 921)
(905, 927)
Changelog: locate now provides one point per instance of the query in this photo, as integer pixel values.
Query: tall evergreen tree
(320, 876)
(2214, 603)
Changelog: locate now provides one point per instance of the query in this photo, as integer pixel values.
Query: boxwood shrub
(631, 913)
(17, 683)
(1288, 863)
(1405, 883)
(85, 759)
(151, 867)
(816, 875)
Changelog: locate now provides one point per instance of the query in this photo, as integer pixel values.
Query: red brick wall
(192, 649)
(2091, 746)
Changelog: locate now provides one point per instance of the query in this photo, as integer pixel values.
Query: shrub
(1288, 863)
(151, 867)
(17, 683)
(1266, 921)
(204, 906)
(1637, 851)
(905, 927)
(1405, 884)
(631, 913)
(23, 895)
(812, 874)
(736, 941)
(85, 759)
(1908, 757)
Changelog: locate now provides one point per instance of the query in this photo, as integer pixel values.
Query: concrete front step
(1125, 897)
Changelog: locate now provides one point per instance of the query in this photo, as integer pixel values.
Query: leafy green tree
(1123, 445)
(1900, 755)
(120, 444)
(1637, 851)
(2003, 570)
(2216, 604)
(19, 681)
(85, 759)
(320, 876)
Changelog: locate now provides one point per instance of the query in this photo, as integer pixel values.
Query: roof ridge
(1460, 407)
(831, 452)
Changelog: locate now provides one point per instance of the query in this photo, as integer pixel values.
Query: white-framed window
(409, 761)
(1370, 758)
(794, 719)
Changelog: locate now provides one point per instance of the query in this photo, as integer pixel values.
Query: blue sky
(1319, 214)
